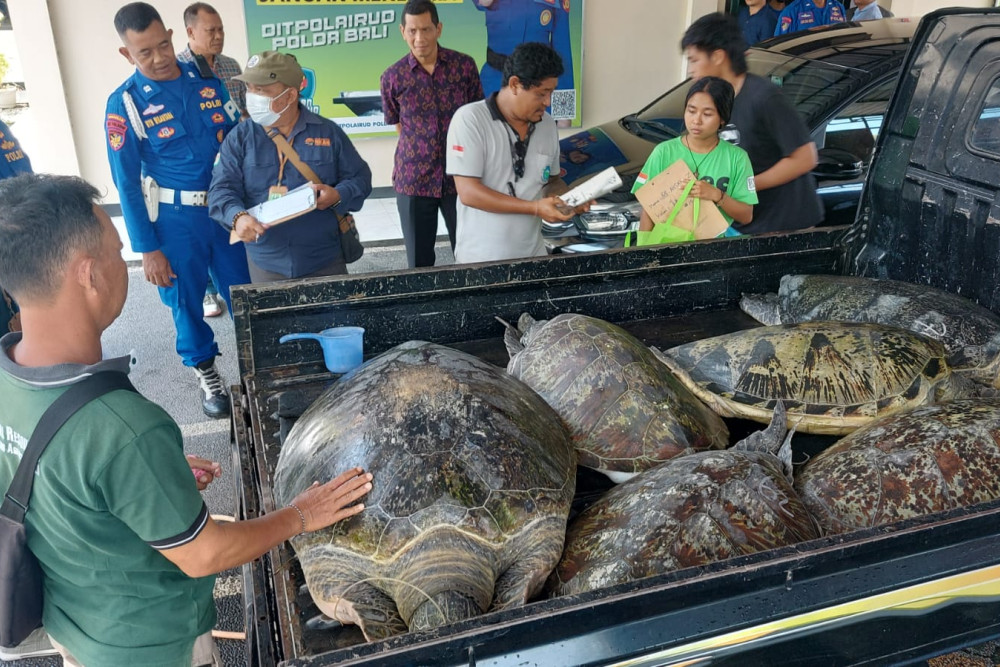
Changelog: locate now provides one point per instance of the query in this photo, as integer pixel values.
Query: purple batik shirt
(423, 104)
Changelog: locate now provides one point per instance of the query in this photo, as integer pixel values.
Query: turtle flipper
(367, 607)
(525, 578)
(762, 307)
(343, 587)
(772, 440)
(511, 338)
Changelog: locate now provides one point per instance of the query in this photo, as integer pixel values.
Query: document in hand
(661, 194)
(296, 202)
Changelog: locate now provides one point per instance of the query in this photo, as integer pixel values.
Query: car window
(856, 126)
(813, 87)
(986, 131)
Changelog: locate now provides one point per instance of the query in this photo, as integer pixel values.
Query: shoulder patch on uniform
(566, 5)
(116, 128)
(207, 92)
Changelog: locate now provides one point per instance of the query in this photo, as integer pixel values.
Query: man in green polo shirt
(116, 520)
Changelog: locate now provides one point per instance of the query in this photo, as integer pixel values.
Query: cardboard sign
(660, 194)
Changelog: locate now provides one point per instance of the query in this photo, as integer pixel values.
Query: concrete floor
(145, 329)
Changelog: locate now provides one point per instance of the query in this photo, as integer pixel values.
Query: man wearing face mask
(251, 169)
(164, 126)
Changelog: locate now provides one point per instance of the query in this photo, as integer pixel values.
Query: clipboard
(296, 202)
(660, 194)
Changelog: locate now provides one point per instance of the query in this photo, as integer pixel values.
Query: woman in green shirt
(722, 171)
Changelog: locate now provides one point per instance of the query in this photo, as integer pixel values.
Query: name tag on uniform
(276, 192)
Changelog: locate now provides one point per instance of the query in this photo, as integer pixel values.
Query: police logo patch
(116, 128)
(253, 61)
(165, 132)
(565, 5)
(207, 92)
(218, 118)
(7, 145)
(546, 173)
(545, 18)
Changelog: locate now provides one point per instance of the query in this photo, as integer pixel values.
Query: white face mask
(259, 108)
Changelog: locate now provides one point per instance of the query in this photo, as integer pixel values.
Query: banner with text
(345, 45)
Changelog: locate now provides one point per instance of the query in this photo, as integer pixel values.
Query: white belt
(188, 197)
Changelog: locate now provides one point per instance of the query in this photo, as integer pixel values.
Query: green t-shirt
(726, 167)
(111, 488)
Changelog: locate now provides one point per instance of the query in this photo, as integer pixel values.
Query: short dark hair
(715, 32)
(418, 7)
(43, 220)
(135, 16)
(721, 92)
(191, 13)
(532, 63)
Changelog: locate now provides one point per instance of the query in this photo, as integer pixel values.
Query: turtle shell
(969, 332)
(833, 377)
(929, 459)
(473, 479)
(689, 511)
(625, 411)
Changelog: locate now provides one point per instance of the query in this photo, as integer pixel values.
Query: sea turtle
(929, 459)
(689, 511)
(625, 411)
(833, 377)
(970, 333)
(473, 480)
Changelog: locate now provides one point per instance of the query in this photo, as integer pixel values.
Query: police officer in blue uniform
(805, 14)
(164, 127)
(512, 22)
(15, 161)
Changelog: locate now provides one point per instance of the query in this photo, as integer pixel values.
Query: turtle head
(762, 307)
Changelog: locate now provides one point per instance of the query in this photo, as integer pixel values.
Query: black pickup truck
(902, 593)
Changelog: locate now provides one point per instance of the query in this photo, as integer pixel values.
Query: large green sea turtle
(473, 479)
(928, 459)
(689, 511)
(626, 412)
(832, 377)
(970, 333)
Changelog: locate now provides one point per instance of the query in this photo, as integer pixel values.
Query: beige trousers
(206, 653)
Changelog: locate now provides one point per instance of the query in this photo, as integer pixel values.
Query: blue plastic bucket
(343, 347)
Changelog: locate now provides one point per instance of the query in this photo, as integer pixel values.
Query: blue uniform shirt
(15, 161)
(804, 14)
(512, 22)
(757, 27)
(249, 165)
(170, 130)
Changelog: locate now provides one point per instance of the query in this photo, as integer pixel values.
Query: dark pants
(259, 275)
(418, 216)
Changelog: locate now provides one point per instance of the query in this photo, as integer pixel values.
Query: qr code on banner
(564, 104)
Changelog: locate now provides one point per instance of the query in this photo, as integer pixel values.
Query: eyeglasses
(520, 150)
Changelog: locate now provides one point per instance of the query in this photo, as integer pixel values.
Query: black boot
(214, 397)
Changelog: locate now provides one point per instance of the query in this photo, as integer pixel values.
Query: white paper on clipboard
(275, 211)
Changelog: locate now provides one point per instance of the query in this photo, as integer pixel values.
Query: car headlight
(614, 220)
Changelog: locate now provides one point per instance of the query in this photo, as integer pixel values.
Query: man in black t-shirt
(781, 150)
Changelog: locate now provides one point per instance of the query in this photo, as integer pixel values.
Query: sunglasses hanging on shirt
(519, 150)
